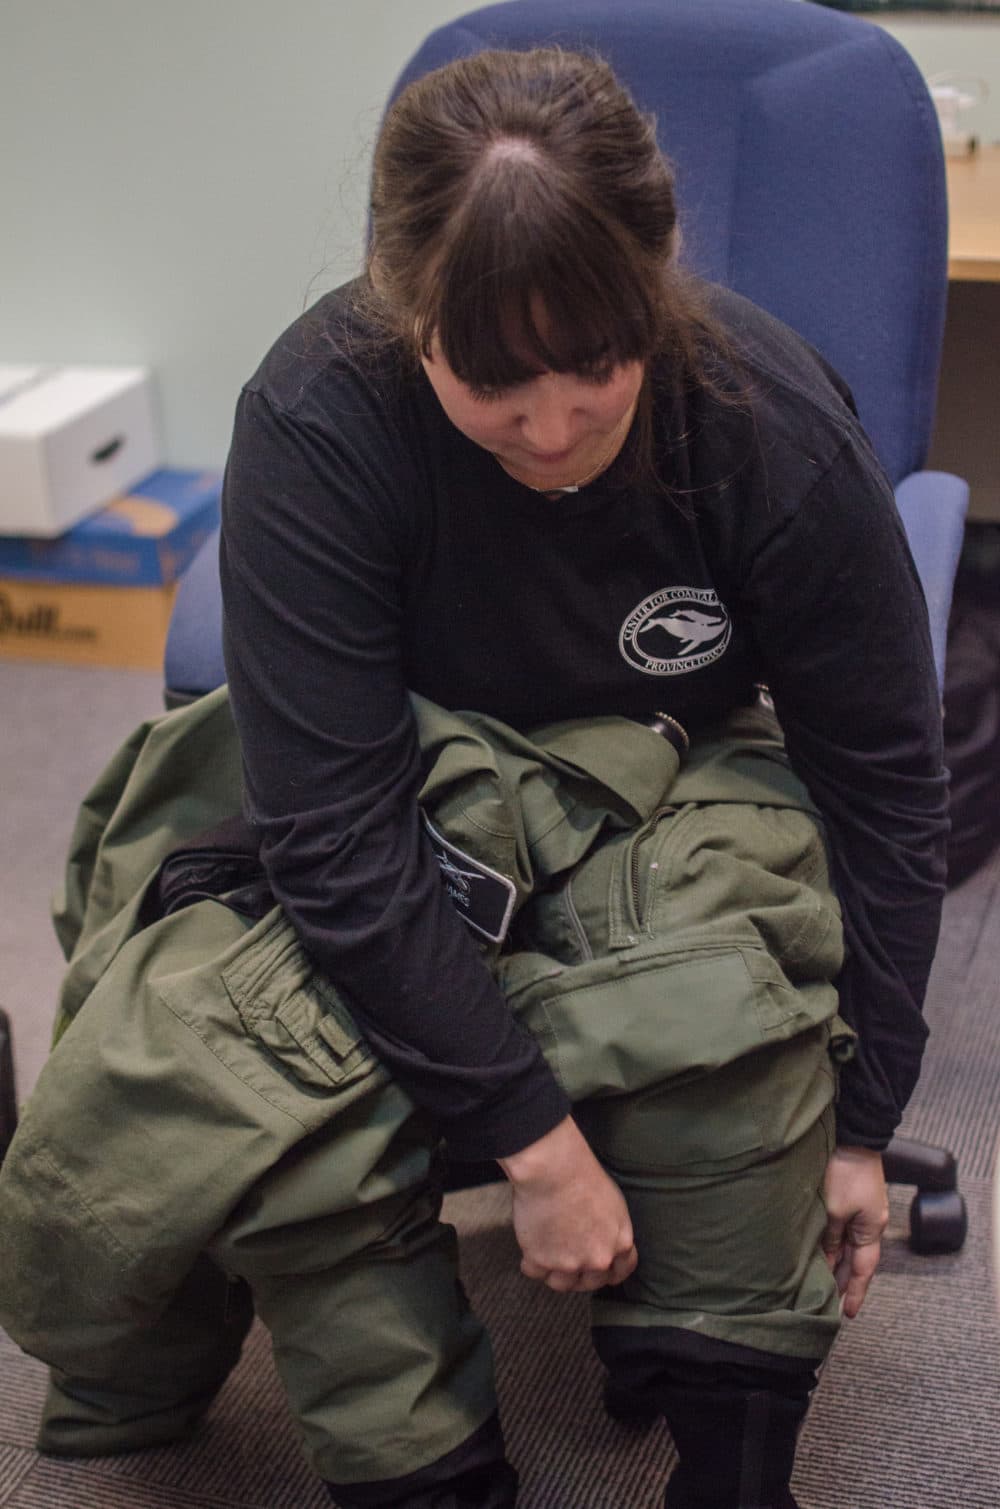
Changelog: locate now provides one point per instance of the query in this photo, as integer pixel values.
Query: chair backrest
(810, 177)
(810, 172)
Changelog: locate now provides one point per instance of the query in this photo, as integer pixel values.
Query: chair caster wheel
(938, 1221)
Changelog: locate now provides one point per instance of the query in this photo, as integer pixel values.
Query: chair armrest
(933, 506)
(192, 661)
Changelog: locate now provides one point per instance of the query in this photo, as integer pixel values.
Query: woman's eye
(599, 377)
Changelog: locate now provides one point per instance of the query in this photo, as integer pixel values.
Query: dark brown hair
(510, 184)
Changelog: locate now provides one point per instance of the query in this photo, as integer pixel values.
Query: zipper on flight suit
(578, 928)
(648, 828)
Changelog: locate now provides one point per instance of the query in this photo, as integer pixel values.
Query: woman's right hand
(570, 1218)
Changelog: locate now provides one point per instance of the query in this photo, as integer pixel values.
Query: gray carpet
(907, 1410)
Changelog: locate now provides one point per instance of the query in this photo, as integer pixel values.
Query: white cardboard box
(71, 439)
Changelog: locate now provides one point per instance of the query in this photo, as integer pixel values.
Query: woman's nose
(548, 423)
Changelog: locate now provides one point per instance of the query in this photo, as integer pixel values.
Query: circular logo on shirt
(675, 630)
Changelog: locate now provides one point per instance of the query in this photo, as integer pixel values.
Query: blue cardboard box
(144, 539)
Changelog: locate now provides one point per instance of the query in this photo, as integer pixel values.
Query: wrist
(548, 1156)
(856, 1154)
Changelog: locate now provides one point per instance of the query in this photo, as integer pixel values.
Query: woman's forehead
(519, 338)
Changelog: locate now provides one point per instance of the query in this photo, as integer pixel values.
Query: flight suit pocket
(741, 1112)
(289, 1008)
(744, 869)
(657, 1012)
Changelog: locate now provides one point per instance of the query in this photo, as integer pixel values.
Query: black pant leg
(734, 1413)
(474, 1475)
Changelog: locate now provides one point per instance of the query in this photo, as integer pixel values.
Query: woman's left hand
(857, 1205)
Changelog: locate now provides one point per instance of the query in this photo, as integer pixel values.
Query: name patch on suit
(483, 897)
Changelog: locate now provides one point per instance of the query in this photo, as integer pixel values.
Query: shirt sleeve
(314, 541)
(837, 611)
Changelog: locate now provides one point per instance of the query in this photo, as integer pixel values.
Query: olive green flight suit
(210, 1113)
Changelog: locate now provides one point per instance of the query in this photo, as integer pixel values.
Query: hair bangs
(524, 289)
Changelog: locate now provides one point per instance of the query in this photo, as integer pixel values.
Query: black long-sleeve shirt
(370, 548)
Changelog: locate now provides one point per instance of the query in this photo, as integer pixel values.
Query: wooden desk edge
(973, 270)
(974, 212)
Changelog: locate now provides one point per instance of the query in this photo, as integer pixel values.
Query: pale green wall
(179, 177)
(967, 46)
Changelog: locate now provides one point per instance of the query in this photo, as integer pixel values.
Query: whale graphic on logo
(687, 624)
(694, 616)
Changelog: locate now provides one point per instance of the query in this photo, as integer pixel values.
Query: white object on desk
(954, 95)
(71, 440)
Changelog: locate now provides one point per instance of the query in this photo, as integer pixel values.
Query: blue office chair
(810, 178)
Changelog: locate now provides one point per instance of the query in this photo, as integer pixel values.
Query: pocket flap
(294, 1012)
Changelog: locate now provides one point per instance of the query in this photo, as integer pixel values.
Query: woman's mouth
(550, 458)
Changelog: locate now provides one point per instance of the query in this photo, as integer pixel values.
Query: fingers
(584, 1280)
(833, 1241)
(857, 1215)
(853, 1261)
(855, 1273)
(534, 1270)
(624, 1264)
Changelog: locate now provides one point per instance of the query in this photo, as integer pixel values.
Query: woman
(511, 471)
(528, 467)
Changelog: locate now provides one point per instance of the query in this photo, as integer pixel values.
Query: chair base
(938, 1217)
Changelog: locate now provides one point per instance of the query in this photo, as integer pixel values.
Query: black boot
(482, 1488)
(676, 1498)
(734, 1412)
(473, 1476)
(736, 1447)
(629, 1407)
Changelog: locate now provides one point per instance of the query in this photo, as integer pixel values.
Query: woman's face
(558, 429)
